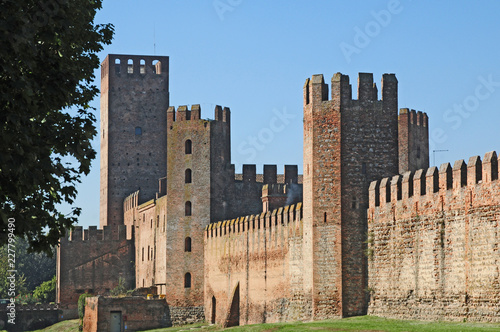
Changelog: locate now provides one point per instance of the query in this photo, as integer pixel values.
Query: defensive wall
(433, 243)
(94, 261)
(253, 268)
(29, 317)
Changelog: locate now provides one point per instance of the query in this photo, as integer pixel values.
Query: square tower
(134, 101)
(347, 142)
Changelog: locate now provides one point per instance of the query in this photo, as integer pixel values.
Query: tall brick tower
(413, 140)
(347, 144)
(199, 176)
(134, 100)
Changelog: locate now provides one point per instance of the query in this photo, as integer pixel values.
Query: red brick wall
(263, 255)
(347, 143)
(137, 313)
(413, 140)
(93, 261)
(130, 161)
(433, 243)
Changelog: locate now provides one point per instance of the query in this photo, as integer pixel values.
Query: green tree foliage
(48, 55)
(32, 268)
(36, 267)
(46, 292)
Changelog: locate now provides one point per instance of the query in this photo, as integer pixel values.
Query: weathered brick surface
(29, 317)
(92, 261)
(260, 255)
(137, 313)
(347, 143)
(413, 140)
(132, 96)
(433, 243)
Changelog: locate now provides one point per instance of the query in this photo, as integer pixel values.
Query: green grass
(64, 326)
(363, 323)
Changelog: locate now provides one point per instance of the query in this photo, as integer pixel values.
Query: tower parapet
(413, 137)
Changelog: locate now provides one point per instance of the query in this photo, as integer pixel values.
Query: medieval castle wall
(92, 261)
(433, 243)
(253, 268)
(291, 247)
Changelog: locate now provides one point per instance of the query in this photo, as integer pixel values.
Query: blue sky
(254, 57)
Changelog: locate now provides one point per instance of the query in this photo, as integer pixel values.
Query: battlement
(183, 113)
(274, 189)
(419, 119)
(270, 174)
(108, 233)
(123, 65)
(131, 201)
(282, 216)
(424, 183)
(316, 91)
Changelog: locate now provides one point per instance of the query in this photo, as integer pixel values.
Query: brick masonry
(259, 257)
(250, 248)
(134, 100)
(136, 313)
(433, 243)
(92, 261)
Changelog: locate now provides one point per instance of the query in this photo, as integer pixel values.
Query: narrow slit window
(324, 217)
(187, 176)
(188, 208)
(187, 280)
(187, 244)
(188, 147)
(363, 168)
(354, 203)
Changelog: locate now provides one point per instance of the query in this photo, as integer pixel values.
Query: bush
(46, 292)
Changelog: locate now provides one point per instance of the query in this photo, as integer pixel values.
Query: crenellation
(365, 87)
(385, 191)
(490, 167)
(445, 177)
(407, 185)
(474, 171)
(270, 174)
(459, 174)
(76, 234)
(249, 173)
(419, 182)
(426, 182)
(432, 180)
(396, 188)
(265, 220)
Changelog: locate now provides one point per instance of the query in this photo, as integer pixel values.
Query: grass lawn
(363, 323)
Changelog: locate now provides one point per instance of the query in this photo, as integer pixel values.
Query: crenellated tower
(413, 140)
(198, 179)
(347, 142)
(134, 100)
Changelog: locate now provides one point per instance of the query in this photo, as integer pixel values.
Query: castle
(368, 227)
